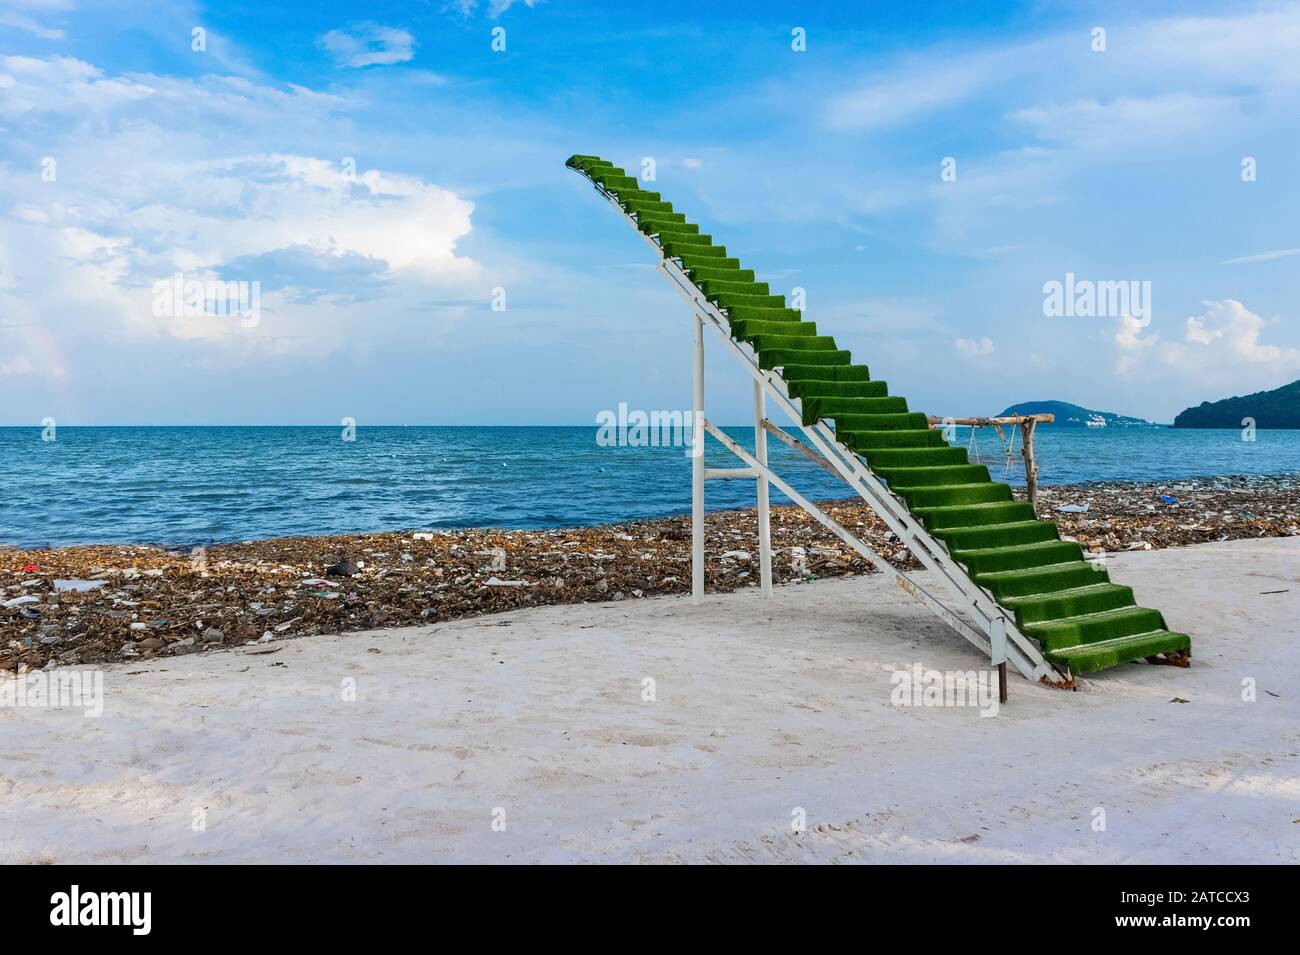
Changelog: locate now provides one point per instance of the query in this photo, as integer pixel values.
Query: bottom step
(1086, 657)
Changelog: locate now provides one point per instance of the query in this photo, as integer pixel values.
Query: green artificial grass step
(706, 260)
(986, 536)
(923, 457)
(588, 164)
(679, 246)
(980, 492)
(694, 244)
(816, 388)
(1089, 657)
(731, 299)
(1087, 599)
(644, 205)
(794, 373)
(661, 217)
(614, 183)
(833, 406)
(640, 195)
(664, 228)
(930, 476)
(712, 288)
(748, 313)
(897, 438)
(724, 275)
(850, 423)
(750, 330)
(1094, 627)
(988, 559)
(1048, 579)
(779, 357)
(973, 515)
(787, 340)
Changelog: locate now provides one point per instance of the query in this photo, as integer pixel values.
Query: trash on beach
(77, 585)
(262, 648)
(418, 578)
(344, 568)
(1073, 508)
(1166, 499)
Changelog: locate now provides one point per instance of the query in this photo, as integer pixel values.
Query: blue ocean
(182, 486)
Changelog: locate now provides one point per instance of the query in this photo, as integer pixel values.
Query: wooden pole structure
(1031, 466)
(1026, 422)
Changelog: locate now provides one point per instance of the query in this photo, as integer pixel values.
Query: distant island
(1279, 408)
(1075, 416)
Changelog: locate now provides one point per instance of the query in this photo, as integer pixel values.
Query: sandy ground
(535, 720)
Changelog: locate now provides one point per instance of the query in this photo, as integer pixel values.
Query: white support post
(998, 654)
(764, 512)
(697, 469)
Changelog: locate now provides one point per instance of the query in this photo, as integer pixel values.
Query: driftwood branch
(983, 422)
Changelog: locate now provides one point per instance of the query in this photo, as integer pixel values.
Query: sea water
(196, 485)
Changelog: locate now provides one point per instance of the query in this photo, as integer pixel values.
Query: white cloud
(135, 202)
(919, 85)
(1196, 53)
(368, 44)
(61, 86)
(1197, 332)
(1262, 256)
(16, 365)
(27, 24)
(241, 218)
(973, 348)
(1221, 345)
(1239, 329)
(1135, 121)
(1132, 346)
(495, 7)
(15, 16)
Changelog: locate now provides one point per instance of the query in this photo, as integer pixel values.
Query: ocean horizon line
(594, 424)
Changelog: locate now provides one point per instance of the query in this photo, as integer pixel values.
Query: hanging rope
(1008, 448)
(1025, 424)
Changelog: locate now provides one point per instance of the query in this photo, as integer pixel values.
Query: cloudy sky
(921, 170)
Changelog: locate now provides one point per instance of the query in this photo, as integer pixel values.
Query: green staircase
(1080, 619)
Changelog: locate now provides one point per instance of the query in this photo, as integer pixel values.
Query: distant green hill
(1279, 408)
(1075, 416)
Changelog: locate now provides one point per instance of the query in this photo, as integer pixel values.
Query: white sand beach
(535, 721)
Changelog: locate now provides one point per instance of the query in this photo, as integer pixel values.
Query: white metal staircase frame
(994, 631)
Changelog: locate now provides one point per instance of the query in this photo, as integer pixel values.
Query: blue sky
(822, 169)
